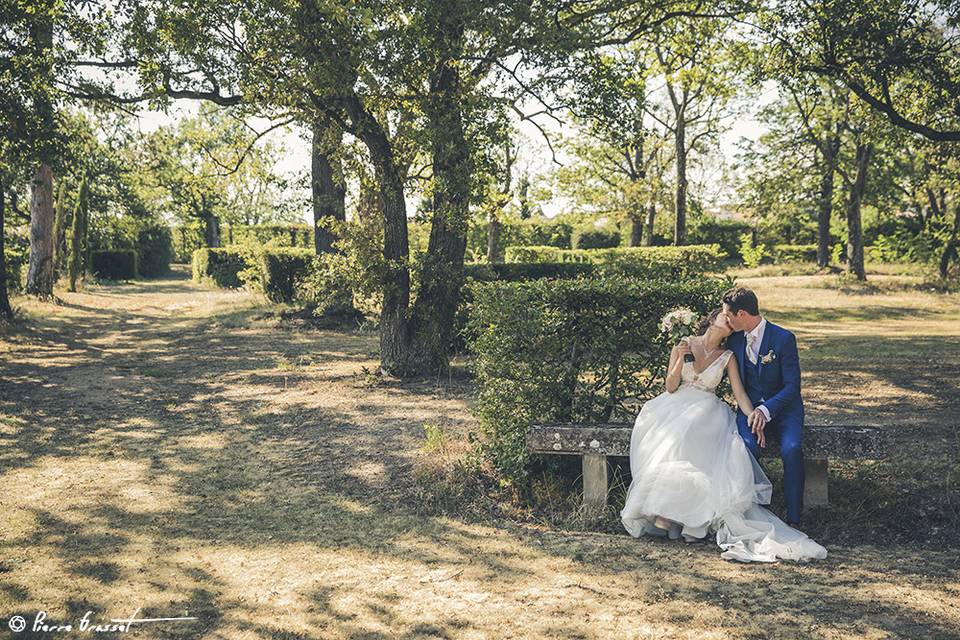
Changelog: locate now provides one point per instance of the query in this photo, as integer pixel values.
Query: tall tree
(699, 61)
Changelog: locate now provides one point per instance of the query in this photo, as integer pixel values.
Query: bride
(692, 474)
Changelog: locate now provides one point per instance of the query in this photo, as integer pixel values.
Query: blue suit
(775, 385)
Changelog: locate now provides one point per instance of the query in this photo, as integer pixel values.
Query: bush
(187, 239)
(570, 350)
(726, 233)
(286, 235)
(650, 261)
(553, 232)
(514, 271)
(114, 265)
(222, 266)
(590, 236)
(17, 254)
(783, 253)
(282, 270)
(154, 250)
(752, 254)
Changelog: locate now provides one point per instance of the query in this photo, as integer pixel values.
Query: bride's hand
(683, 348)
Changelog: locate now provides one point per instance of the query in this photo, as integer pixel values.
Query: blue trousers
(789, 431)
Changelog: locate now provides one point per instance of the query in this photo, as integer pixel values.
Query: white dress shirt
(753, 351)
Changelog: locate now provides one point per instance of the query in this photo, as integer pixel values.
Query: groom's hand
(757, 421)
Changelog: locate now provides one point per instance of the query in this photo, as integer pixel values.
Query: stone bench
(594, 442)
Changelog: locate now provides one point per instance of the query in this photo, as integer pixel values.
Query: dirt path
(172, 449)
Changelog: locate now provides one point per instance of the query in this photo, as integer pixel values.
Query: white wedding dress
(690, 465)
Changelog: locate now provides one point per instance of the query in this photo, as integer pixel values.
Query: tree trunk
(394, 324)
(854, 227)
(329, 193)
(825, 208)
(493, 239)
(648, 223)
(78, 235)
(680, 224)
(6, 312)
(211, 229)
(442, 274)
(40, 271)
(636, 230)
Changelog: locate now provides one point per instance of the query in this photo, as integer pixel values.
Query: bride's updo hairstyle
(708, 320)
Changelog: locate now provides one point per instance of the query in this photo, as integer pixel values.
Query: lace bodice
(709, 378)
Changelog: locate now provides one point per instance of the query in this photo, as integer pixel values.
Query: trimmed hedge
(590, 236)
(114, 265)
(222, 266)
(283, 269)
(570, 350)
(652, 261)
(794, 253)
(154, 250)
(726, 233)
(189, 237)
(514, 271)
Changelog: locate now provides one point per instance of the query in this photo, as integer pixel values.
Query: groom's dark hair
(742, 299)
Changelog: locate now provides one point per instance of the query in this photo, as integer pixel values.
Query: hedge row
(282, 269)
(794, 253)
(514, 271)
(654, 261)
(277, 271)
(222, 266)
(570, 350)
(188, 238)
(114, 265)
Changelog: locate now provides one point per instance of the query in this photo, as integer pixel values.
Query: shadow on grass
(233, 471)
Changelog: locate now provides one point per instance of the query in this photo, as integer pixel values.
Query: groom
(770, 370)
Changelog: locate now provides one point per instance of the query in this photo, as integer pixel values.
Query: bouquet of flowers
(678, 324)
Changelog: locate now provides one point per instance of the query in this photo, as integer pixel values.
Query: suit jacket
(779, 378)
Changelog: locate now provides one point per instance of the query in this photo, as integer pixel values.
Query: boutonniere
(770, 357)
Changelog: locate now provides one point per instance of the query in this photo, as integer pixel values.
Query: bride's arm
(673, 369)
(739, 392)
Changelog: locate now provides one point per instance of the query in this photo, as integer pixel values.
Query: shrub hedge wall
(282, 269)
(663, 261)
(222, 266)
(114, 265)
(570, 350)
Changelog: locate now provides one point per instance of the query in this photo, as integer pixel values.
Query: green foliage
(154, 249)
(282, 270)
(687, 259)
(17, 254)
(554, 232)
(514, 271)
(590, 236)
(574, 349)
(752, 255)
(114, 265)
(783, 253)
(187, 238)
(726, 233)
(222, 266)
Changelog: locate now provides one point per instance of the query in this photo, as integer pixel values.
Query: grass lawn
(181, 451)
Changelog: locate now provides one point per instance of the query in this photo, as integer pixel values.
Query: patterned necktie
(751, 338)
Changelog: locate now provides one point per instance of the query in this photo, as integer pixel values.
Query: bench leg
(814, 482)
(594, 485)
